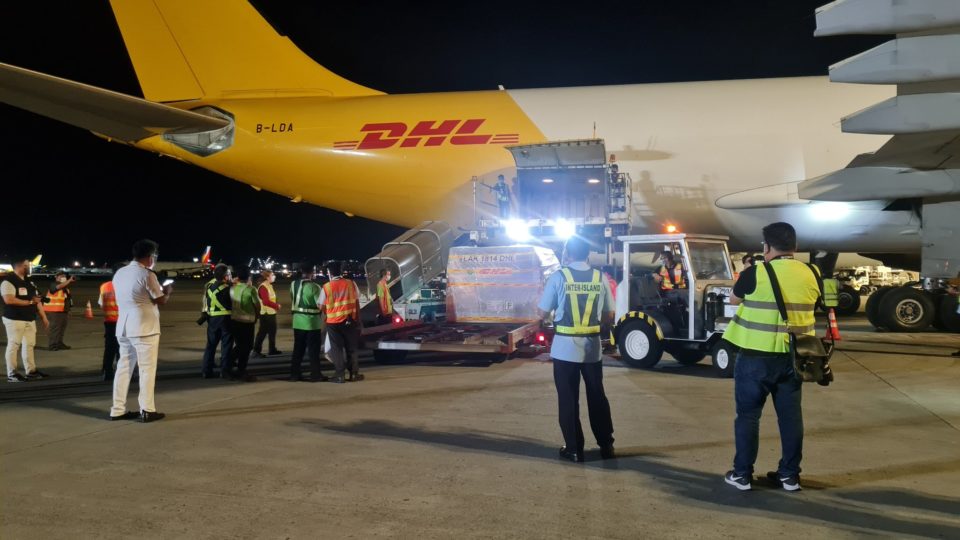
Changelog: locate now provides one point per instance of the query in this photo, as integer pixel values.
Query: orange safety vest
(341, 301)
(57, 302)
(383, 294)
(666, 284)
(111, 312)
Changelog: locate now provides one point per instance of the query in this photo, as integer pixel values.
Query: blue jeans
(756, 377)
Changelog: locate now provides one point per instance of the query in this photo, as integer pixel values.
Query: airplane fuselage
(403, 159)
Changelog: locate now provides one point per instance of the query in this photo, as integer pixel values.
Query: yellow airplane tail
(186, 50)
(36, 260)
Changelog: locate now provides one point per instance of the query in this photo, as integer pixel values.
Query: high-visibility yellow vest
(758, 325)
(581, 315)
(383, 295)
(272, 295)
(57, 302)
(666, 283)
(214, 307)
(111, 312)
(341, 300)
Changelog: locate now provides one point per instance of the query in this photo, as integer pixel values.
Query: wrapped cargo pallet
(497, 284)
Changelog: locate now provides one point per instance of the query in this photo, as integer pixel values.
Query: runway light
(548, 180)
(593, 181)
(671, 229)
(517, 230)
(564, 229)
(195, 259)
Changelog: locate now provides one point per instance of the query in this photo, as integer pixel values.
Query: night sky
(71, 195)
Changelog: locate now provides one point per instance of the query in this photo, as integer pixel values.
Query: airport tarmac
(461, 447)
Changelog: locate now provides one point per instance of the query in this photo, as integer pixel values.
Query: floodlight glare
(564, 229)
(517, 230)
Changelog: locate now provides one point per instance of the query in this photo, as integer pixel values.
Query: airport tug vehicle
(686, 323)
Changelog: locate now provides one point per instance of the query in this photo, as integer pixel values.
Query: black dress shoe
(356, 377)
(65, 347)
(607, 452)
(571, 456)
(129, 415)
(147, 416)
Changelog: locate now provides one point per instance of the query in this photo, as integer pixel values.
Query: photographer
(57, 307)
(21, 306)
(764, 365)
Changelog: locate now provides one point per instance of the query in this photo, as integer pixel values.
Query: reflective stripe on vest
(580, 318)
(111, 312)
(240, 312)
(214, 307)
(297, 293)
(383, 294)
(341, 301)
(272, 295)
(675, 281)
(758, 325)
(57, 302)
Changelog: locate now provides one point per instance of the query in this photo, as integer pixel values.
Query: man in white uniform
(138, 294)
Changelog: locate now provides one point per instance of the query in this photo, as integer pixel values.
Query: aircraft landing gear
(910, 309)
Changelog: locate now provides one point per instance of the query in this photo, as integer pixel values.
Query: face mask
(153, 261)
(61, 280)
(273, 278)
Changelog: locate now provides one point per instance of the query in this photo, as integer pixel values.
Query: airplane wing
(112, 114)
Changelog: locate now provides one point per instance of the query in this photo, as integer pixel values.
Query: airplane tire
(848, 301)
(386, 357)
(905, 309)
(873, 307)
(948, 316)
(686, 355)
(724, 357)
(639, 345)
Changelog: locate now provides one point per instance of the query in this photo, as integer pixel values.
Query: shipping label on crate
(496, 284)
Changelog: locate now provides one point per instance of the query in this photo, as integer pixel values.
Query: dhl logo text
(379, 136)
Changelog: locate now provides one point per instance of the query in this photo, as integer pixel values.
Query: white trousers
(21, 335)
(134, 352)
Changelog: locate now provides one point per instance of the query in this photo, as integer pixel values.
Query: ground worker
(58, 304)
(219, 307)
(340, 301)
(204, 310)
(384, 298)
(581, 301)
(307, 325)
(764, 365)
(243, 321)
(22, 305)
(111, 347)
(502, 192)
(673, 286)
(268, 315)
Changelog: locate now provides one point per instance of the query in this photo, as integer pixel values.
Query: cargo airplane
(224, 91)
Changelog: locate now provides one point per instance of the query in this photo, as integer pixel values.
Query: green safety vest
(581, 315)
(214, 307)
(758, 325)
(304, 296)
(244, 306)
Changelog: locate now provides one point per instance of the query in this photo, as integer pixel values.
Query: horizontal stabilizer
(885, 16)
(112, 114)
(881, 183)
(905, 60)
(919, 113)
